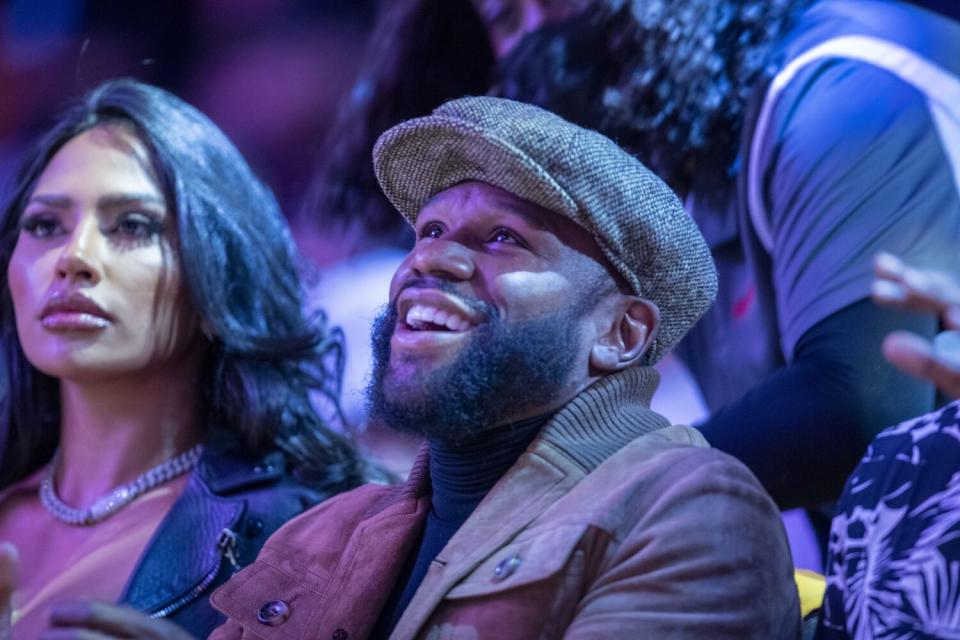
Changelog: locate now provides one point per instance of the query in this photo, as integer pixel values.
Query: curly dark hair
(240, 268)
(666, 79)
(420, 54)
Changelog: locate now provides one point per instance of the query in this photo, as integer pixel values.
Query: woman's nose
(79, 259)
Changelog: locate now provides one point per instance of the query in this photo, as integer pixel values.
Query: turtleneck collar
(462, 475)
(604, 417)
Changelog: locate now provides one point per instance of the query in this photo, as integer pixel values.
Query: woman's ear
(628, 336)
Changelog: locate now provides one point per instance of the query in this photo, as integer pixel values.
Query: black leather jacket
(228, 509)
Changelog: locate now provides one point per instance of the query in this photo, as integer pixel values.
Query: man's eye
(504, 235)
(431, 230)
(41, 225)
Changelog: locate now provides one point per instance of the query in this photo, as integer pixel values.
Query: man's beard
(506, 370)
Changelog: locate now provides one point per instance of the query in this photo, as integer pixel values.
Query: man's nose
(79, 258)
(443, 258)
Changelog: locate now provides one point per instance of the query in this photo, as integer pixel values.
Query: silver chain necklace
(120, 497)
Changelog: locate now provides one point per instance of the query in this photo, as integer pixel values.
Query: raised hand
(900, 285)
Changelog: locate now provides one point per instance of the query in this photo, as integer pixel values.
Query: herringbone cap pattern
(638, 222)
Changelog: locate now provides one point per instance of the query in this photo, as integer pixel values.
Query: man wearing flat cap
(550, 271)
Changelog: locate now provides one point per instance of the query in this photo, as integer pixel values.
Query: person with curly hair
(160, 371)
(805, 136)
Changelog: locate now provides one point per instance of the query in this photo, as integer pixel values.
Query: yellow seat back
(811, 586)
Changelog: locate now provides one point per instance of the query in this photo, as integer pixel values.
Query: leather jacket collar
(196, 541)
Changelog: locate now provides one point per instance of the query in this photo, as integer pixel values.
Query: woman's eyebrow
(111, 200)
(106, 201)
(51, 200)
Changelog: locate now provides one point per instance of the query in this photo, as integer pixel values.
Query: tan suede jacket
(612, 524)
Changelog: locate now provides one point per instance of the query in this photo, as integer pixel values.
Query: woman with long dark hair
(160, 376)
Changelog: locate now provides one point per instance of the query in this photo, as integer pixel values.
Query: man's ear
(628, 336)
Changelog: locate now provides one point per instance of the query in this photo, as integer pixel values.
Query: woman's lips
(73, 312)
(73, 321)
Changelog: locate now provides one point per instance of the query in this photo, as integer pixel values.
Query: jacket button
(273, 613)
(253, 528)
(506, 568)
(340, 634)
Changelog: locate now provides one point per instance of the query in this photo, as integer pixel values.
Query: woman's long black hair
(268, 357)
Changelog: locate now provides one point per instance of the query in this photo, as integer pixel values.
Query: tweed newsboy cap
(639, 223)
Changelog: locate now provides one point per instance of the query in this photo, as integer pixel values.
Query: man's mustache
(485, 309)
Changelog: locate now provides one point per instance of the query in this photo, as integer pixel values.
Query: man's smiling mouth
(426, 318)
(429, 310)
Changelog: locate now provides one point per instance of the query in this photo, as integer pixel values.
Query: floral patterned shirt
(893, 567)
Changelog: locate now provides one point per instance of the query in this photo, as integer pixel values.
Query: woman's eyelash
(135, 230)
(129, 227)
(138, 225)
(39, 225)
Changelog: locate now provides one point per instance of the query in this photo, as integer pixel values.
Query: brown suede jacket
(613, 524)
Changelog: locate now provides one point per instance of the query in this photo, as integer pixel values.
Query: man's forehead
(492, 198)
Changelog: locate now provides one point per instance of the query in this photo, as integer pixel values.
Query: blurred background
(268, 72)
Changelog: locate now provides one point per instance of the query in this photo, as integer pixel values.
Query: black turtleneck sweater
(460, 477)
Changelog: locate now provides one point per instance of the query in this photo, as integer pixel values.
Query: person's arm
(102, 621)
(707, 558)
(94, 620)
(852, 164)
(804, 428)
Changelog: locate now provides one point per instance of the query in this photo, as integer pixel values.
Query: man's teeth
(419, 316)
